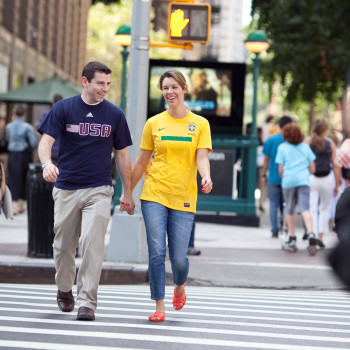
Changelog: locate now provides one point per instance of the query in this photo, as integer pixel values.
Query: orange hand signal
(178, 23)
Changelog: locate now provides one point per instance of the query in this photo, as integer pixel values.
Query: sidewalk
(232, 256)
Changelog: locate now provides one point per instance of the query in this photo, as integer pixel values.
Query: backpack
(323, 160)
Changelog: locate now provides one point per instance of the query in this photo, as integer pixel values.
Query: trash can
(40, 209)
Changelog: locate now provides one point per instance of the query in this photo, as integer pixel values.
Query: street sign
(189, 23)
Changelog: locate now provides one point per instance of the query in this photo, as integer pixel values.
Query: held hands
(127, 204)
(207, 185)
(50, 172)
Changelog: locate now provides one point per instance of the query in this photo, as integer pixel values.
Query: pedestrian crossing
(213, 318)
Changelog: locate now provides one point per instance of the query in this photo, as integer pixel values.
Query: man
(88, 127)
(339, 258)
(274, 181)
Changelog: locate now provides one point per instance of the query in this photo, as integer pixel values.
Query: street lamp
(256, 42)
(123, 38)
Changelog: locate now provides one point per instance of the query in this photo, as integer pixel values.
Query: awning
(42, 92)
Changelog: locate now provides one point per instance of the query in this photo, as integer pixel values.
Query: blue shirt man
(274, 180)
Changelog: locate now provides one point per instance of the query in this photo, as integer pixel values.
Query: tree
(309, 42)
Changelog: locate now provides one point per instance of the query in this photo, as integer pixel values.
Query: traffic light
(189, 23)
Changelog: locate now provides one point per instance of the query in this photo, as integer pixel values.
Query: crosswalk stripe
(212, 320)
(160, 338)
(213, 317)
(45, 346)
(189, 329)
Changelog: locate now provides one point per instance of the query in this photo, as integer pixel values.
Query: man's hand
(50, 173)
(177, 23)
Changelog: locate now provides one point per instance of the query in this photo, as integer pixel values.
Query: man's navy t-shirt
(87, 135)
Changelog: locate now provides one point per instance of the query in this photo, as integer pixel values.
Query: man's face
(96, 90)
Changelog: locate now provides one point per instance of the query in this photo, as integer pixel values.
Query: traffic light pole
(128, 238)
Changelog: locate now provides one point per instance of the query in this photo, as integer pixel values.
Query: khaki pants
(81, 214)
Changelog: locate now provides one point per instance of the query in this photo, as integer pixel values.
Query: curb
(34, 274)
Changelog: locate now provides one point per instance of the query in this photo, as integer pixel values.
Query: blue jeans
(276, 200)
(159, 221)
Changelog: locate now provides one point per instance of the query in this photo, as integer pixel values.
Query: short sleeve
(279, 156)
(204, 137)
(53, 124)
(122, 137)
(147, 137)
(266, 148)
(312, 156)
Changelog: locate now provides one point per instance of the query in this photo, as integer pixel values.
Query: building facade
(41, 38)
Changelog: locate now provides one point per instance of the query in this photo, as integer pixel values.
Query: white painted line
(182, 340)
(274, 265)
(237, 307)
(211, 318)
(48, 346)
(173, 327)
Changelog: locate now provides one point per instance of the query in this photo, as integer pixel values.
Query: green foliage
(310, 45)
(104, 20)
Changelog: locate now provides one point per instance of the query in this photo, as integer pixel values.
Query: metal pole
(125, 54)
(128, 238)
(256, 62)
(252, 174)
(118, 185)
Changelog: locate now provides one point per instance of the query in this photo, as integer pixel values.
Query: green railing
(239, 181)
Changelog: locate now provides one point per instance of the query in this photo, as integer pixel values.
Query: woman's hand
(207, 185)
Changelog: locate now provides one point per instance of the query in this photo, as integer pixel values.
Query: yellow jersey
(172, 176)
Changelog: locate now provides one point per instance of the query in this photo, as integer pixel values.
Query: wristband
(44, 164)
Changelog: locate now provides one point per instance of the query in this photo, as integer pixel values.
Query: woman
(295, 162)
(180, 141)
(323, 183)
(21, 141)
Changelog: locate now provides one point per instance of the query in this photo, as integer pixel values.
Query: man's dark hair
(56, 98)
(21, 110)
(92, 67)
(284, 121)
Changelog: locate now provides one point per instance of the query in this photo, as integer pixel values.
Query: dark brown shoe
(85, 314)
(65, 301)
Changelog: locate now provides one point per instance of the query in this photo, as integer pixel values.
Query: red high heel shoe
(158, 316)
(178, 300)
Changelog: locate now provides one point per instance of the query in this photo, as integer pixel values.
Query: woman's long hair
(317, 138)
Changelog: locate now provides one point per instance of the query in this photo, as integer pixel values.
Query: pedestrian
(339, 258)
(336, 138)
(274, 189)
(269, 128)
(88, 127)
(55, 146)
(324, 183)
(295, 161)
(21, 139)
(180, 141)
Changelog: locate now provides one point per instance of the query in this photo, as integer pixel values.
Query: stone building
(41, 38)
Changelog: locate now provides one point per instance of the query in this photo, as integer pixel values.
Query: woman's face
(173, 93)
